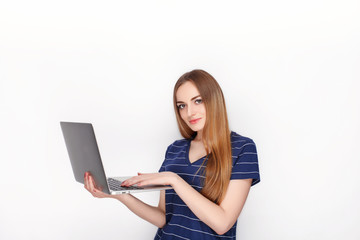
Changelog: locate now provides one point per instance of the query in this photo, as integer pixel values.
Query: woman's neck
(198, 137)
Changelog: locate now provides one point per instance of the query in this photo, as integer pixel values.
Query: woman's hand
(162, 178)
(90, 185)
(154, 215)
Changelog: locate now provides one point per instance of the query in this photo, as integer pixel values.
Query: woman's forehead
(187, 91)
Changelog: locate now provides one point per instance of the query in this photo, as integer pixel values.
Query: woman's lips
(194, 120)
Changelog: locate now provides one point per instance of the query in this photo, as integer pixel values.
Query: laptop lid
(84, 152)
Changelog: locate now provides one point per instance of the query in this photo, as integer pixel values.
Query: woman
(211, 170)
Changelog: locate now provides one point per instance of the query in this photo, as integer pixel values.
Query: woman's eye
(181, 106)
(198, 101)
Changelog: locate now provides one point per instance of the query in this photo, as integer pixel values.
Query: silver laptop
(85, 157)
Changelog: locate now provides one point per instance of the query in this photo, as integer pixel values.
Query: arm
(221, 217)
(154, 215)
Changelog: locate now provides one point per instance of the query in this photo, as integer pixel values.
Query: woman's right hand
(90, 185)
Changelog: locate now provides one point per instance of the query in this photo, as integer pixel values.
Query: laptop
(85, 157)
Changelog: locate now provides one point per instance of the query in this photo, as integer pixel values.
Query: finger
(91, 184)
(134, 180)
(86, 182)
(95, 193)
(129, 182)
(143, 173)
(146, 181)
(94, 184)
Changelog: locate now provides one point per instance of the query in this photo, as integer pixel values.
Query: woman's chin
(196, 128)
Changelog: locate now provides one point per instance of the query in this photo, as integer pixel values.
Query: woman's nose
(190, 111)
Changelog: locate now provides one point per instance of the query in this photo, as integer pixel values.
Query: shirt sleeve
(162, 168)
(246, 163)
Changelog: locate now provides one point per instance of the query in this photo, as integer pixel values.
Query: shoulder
(239, 141)
(245, 160)
(241, 146)
(178, 145)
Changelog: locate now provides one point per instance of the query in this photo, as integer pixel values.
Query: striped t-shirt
(181, 222)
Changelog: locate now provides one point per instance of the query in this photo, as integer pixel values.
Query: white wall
(289, 71)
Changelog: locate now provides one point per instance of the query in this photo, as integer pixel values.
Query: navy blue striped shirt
(181, 222)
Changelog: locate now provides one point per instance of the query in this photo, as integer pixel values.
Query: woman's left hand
(162, 178)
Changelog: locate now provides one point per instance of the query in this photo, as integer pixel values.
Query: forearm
(221, 217)
(207, 211)
(149, 213)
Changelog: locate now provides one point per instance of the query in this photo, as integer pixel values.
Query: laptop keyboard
(115, 185)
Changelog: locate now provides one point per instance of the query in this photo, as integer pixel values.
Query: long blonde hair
(215, 136)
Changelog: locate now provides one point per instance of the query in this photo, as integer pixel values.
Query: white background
(289, 71)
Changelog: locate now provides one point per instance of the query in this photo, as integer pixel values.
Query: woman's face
(191, 107)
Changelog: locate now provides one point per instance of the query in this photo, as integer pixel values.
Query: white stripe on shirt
(175, 235)
(194, 230)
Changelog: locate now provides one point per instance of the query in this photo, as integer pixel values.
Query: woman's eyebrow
(190, 99)
(195, 97)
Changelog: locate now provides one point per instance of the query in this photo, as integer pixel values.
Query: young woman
(211, 170)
